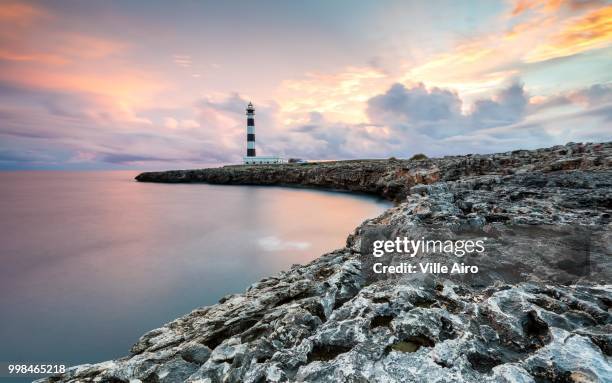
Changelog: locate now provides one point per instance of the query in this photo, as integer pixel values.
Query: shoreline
(330, 319)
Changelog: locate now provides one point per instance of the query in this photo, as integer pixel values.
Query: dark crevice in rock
(496, 218)
(410, 344)
(339, 302)
(606, 302)
(590, 313)
(381, 300)
(548, 304)
(381, 321)
(450, 305)
(318, 311)
(152, 378)
(442, 364)
(323, 273)
(423, 303)
(536, 328)
(483, 362)
(294, 298)
(326, 352)
(218, 337)
(447, 331)
(550, 375)
(214, 341)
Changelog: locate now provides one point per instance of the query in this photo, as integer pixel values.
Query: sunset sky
(160, 84)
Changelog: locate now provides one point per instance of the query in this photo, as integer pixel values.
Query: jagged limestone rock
(537, 312)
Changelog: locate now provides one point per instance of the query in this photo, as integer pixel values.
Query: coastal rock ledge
(539, 311)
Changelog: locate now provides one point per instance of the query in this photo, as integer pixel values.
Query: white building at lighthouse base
(263, 160)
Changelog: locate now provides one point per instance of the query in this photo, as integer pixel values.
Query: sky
(162, 85)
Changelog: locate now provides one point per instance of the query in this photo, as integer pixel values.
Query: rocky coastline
(538, 311)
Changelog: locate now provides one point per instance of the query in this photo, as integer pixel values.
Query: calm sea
(92, 260)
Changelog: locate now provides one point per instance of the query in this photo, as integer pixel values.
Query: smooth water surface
(92, 260)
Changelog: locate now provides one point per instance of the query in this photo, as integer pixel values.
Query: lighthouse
(251, 158)
(250, 111)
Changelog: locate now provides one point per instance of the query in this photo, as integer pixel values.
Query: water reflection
(93, 260)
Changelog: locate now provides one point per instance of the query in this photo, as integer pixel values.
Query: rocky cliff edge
(538, 311)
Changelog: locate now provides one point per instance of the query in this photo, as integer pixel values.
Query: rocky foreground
(538, 311)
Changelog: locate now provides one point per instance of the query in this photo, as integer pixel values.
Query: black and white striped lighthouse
(251, 158)
(250, 112)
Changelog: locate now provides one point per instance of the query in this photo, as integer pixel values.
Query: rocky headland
(539, 310)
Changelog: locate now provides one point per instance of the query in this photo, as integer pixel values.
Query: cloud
(46, 58)
(401, 121)
(41, 50)
(189, 124)
(76, 122)
(550, 6)
(507, 107)
(184, 61)
(26, 36)
(526, 38)
(340, 95)
(27, 156)
(405, 120)
(172, 123)
(591, 31)
(503, 122)
(92, 95)
(20, 13)
(437, 112)
(590, 97)
(416, 104)
(273, 243)
(596, 94)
